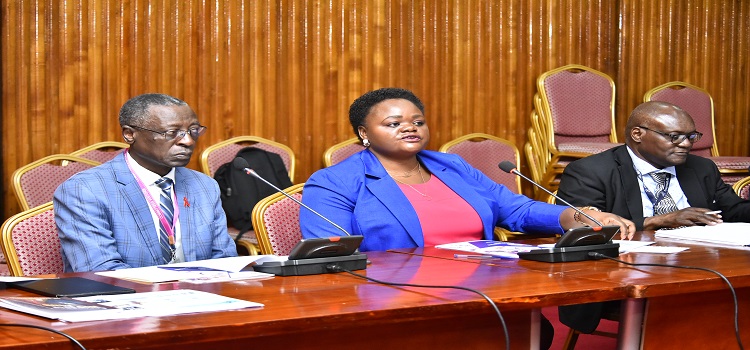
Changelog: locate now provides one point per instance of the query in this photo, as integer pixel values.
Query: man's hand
(627, 227)
(685, 217)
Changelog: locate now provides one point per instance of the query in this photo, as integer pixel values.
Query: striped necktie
(663, 203)
(167, 207)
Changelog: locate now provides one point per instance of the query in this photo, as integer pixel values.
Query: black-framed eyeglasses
(677, 139)
(169, 135)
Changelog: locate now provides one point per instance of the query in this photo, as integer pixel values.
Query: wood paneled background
(287, 70)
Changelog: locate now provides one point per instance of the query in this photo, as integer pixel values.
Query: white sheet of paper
(226, 268)
(658, 249)
(727, 233)
(628, 246)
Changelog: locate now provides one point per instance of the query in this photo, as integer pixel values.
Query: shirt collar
(643, 167)
(148, 177)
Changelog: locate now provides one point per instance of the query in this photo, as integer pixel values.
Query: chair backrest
(224, 152)
(101, 151)
(31, 244)
(742, 187)
(341, 151)
(579, 103)
(485, 152)
(698, 103)
(35, 183)
(276, 222)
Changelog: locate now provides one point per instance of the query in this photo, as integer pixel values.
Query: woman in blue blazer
(398, 195)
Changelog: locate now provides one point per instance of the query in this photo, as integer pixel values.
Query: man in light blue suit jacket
(104, 219)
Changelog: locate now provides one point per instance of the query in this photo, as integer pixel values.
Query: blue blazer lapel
(137, 206)
(387, 191)
(181, 193)
(460, 185)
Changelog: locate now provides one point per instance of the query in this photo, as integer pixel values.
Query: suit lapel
(691, 186)
(388, 193)
(181, 194)
(137, 205)
(456, 183)
(630, 183)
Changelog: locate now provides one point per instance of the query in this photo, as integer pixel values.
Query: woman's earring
(366, 142)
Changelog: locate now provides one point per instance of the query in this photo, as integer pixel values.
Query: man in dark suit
(653, 181)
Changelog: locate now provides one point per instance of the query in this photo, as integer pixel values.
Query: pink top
(445, 216)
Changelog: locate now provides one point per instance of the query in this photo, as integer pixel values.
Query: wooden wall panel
(701, 42)
(287, 70)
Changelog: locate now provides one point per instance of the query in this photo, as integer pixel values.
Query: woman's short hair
(360, 108)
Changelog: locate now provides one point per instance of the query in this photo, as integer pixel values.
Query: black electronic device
(577, 243)
(325, 247)
(314, 255)
(69, 287)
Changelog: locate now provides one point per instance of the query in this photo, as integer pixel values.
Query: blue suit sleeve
(326, 194)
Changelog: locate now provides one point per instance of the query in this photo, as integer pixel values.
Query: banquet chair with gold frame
(224, 152)
(697, 102)
(276, 222)
(31, 244)
(742, 187)
(485, 152)
(101, 151)
(576, 111)
(341, 151)
(35, 183)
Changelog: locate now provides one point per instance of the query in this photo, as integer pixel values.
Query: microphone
(577, 244)
(241, 163)
(510, 168)
(314, 255)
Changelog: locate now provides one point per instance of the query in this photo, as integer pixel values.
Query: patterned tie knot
(662, 201)
(164, 183)
(660, 178)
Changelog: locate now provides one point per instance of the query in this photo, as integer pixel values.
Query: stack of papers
(120, 306)
(201, 271)
(728, 233)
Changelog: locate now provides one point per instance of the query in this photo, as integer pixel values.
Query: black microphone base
(570, 254)
(314, 266)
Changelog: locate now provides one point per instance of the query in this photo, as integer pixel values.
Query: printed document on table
(630, 246)
(120, 306)
(201, 271)
(488, 247)
(728, 233)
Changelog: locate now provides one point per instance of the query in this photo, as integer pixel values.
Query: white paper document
(630, 246)
(120, 306)
(488, 248)
(201, 271)
(728, 233)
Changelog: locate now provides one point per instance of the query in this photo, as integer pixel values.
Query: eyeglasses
(677, 139)
(169, 135)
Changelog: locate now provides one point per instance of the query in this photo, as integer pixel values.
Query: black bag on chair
(241, 191)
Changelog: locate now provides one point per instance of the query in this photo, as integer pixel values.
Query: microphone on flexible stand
(313, 255)
(576, 244)
(510, 168)
(241, 163)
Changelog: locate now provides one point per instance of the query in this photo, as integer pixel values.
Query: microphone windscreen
(240, 163)
(506, 166)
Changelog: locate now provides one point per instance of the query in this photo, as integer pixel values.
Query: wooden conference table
(342, 311)
(665, 308)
